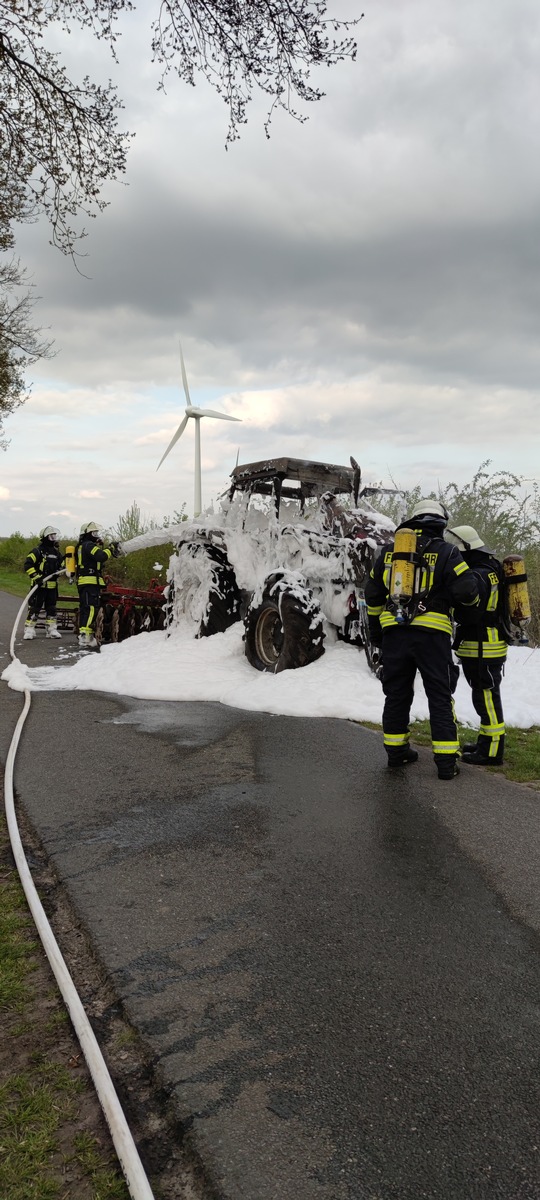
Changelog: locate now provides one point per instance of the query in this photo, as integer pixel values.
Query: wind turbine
(197, 414)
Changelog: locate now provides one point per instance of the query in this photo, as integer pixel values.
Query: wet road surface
(337, 969)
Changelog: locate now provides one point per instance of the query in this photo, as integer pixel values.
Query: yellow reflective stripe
(438, 621)
(434, 620)
(88, 579)
(375, 610)
(396, 739)
(445, 747)
(492, 730)
(496, 649)
(461, 567)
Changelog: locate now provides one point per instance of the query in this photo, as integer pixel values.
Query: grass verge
(13, 582)
(53, 1141)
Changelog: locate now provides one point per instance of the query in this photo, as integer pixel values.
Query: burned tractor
(293, 582)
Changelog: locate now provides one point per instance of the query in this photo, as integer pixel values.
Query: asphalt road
(336, 968)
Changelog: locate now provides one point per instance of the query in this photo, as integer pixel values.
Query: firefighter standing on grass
(90, 557)
(481, 647)
(419, 638)
(44, 560)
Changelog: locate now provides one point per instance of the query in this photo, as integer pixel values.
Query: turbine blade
(211, 412)
(184, 377)
(174, 440)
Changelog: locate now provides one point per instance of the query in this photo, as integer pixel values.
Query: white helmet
(464, 537)
(89, 527)
(430, 508)
(49, 531)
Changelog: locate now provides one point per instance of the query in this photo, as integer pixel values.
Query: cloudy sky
(366, 283)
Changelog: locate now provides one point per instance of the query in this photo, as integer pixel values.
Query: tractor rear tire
(204, 589)
(285, 631)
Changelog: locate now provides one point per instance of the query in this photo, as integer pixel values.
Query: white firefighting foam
(153, 666)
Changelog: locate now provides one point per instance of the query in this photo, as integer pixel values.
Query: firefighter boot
(87, 641)
(51, 628)
(399, 756)
(478, 757)
(29, 631)
(447, 767)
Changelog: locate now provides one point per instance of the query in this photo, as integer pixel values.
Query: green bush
(532, 564)
(14, 550)
(137, 569)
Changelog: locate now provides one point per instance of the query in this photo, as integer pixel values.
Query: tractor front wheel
(285, 630)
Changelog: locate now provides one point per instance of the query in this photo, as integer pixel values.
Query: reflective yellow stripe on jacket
(493, 647)
(429, 620)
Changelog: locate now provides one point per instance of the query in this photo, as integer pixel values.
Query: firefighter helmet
(430, 508)
(49, 531)
(464, 537)
(89, 527)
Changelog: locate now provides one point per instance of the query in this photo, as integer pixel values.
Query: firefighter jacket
(42, 561)
(446, 580)
(480, 634)
(90, 557)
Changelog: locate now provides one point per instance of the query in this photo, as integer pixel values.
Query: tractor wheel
(285, 630)
(204, 589)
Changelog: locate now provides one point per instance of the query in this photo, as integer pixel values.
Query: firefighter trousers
(406, 650)
(89, 594)
(45, 597)
(484, 678)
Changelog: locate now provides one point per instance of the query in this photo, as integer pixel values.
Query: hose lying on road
(125, 1147)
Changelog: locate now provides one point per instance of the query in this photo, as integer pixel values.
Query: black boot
(448, 770)
(469, 748)
(477, 759)
(479, 756)
(400, 756)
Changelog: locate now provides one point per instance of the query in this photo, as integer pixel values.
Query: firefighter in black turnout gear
(44, 560)
(90, 557)
(481, 646)
(419, 638)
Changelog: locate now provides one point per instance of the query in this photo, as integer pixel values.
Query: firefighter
(481, 646)
(42, 561)
(90, 556)
(419, 638)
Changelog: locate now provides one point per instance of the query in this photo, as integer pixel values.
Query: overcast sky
(366, 283)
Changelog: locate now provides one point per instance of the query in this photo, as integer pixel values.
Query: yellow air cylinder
(69, 562)
(403, 570)
(519, 607)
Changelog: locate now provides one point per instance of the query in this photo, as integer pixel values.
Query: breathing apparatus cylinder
(519, 608)
(69, 562)
(403, 572)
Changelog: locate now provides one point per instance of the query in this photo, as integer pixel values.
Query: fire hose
(124, 1144)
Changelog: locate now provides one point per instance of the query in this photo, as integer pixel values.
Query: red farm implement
(124, 611)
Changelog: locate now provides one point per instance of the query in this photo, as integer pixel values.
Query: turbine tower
(197, 414)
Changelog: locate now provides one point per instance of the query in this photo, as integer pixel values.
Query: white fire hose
(124, 1145)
